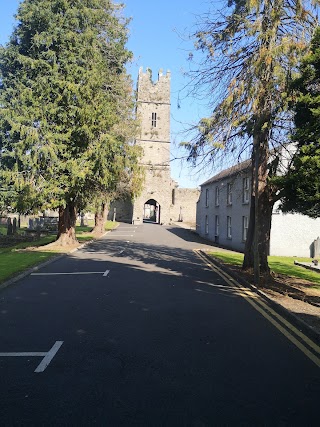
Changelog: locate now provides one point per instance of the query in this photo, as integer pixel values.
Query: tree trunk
(100, 218)
(67, 225)
(264, 212)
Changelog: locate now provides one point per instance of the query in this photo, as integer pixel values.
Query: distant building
(223, 216)
(161, 201)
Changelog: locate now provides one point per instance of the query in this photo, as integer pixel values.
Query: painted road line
(47, 355)
(265, 306)
(76, 273)
(123, 235)
(313, 352)
(24, 354)
(126, 228)
(106, 273)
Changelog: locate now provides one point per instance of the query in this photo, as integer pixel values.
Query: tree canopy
(301, 185)
(250, 50)
(66, 104)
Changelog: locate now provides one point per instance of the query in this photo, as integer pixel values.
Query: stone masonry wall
(153, 102)
(184, 205)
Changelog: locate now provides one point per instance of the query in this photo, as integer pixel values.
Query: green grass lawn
(281, 265)
(110, 225)
(84, 233)
(13, 261)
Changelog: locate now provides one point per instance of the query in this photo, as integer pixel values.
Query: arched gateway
(151, 212)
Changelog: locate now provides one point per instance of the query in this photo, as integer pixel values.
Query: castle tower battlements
(153, 112)
(161, 201)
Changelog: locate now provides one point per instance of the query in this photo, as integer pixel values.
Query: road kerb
(305, 338)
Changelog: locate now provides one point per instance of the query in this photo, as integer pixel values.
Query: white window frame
(216, 226)
(245, 226)
(229, 193)
(217, 196)
(229, 227)
(206, 225)
(245, 190)
(207, 197)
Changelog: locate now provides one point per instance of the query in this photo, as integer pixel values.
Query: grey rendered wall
(293, 234)
(236, 211)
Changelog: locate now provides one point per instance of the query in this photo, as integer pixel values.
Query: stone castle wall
(184, 207)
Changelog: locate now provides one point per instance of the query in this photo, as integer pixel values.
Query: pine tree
(251, 48)
(301, 186)
(63, 82)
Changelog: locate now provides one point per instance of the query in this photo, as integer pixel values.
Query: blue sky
(156, 43)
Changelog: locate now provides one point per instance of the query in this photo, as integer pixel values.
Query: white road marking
(24, 354)
(123, 235)
(126, 228)
(49, 356)
(68, 274)
(106, 273)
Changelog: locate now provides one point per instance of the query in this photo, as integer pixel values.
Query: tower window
(173, 196)
(154, 120)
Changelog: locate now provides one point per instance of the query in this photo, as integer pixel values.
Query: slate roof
(227, 173)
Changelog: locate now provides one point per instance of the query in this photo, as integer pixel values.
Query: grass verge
(16, 259)
(280, 265)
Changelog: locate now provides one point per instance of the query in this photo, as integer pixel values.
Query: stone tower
(153, 111)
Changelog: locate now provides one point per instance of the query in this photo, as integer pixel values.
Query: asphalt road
(136, 330)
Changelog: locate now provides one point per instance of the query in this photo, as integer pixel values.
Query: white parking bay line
(106, 273)
(24, 354)
(122, 235)
(75, 273)
(47, 355)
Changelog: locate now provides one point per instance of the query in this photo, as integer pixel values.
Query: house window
(207, 197)
(229, 193)
(207, 225)
(216, 232)
(245, 190)
(154, 120)
(217, 196)
(229, 229)
(245, 225)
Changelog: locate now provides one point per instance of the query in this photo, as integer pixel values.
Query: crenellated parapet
(153, 91)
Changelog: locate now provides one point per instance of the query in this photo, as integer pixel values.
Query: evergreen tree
(63, 83)
(301, 186)
(251, 48)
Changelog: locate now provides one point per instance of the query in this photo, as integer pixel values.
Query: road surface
(137, 330)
